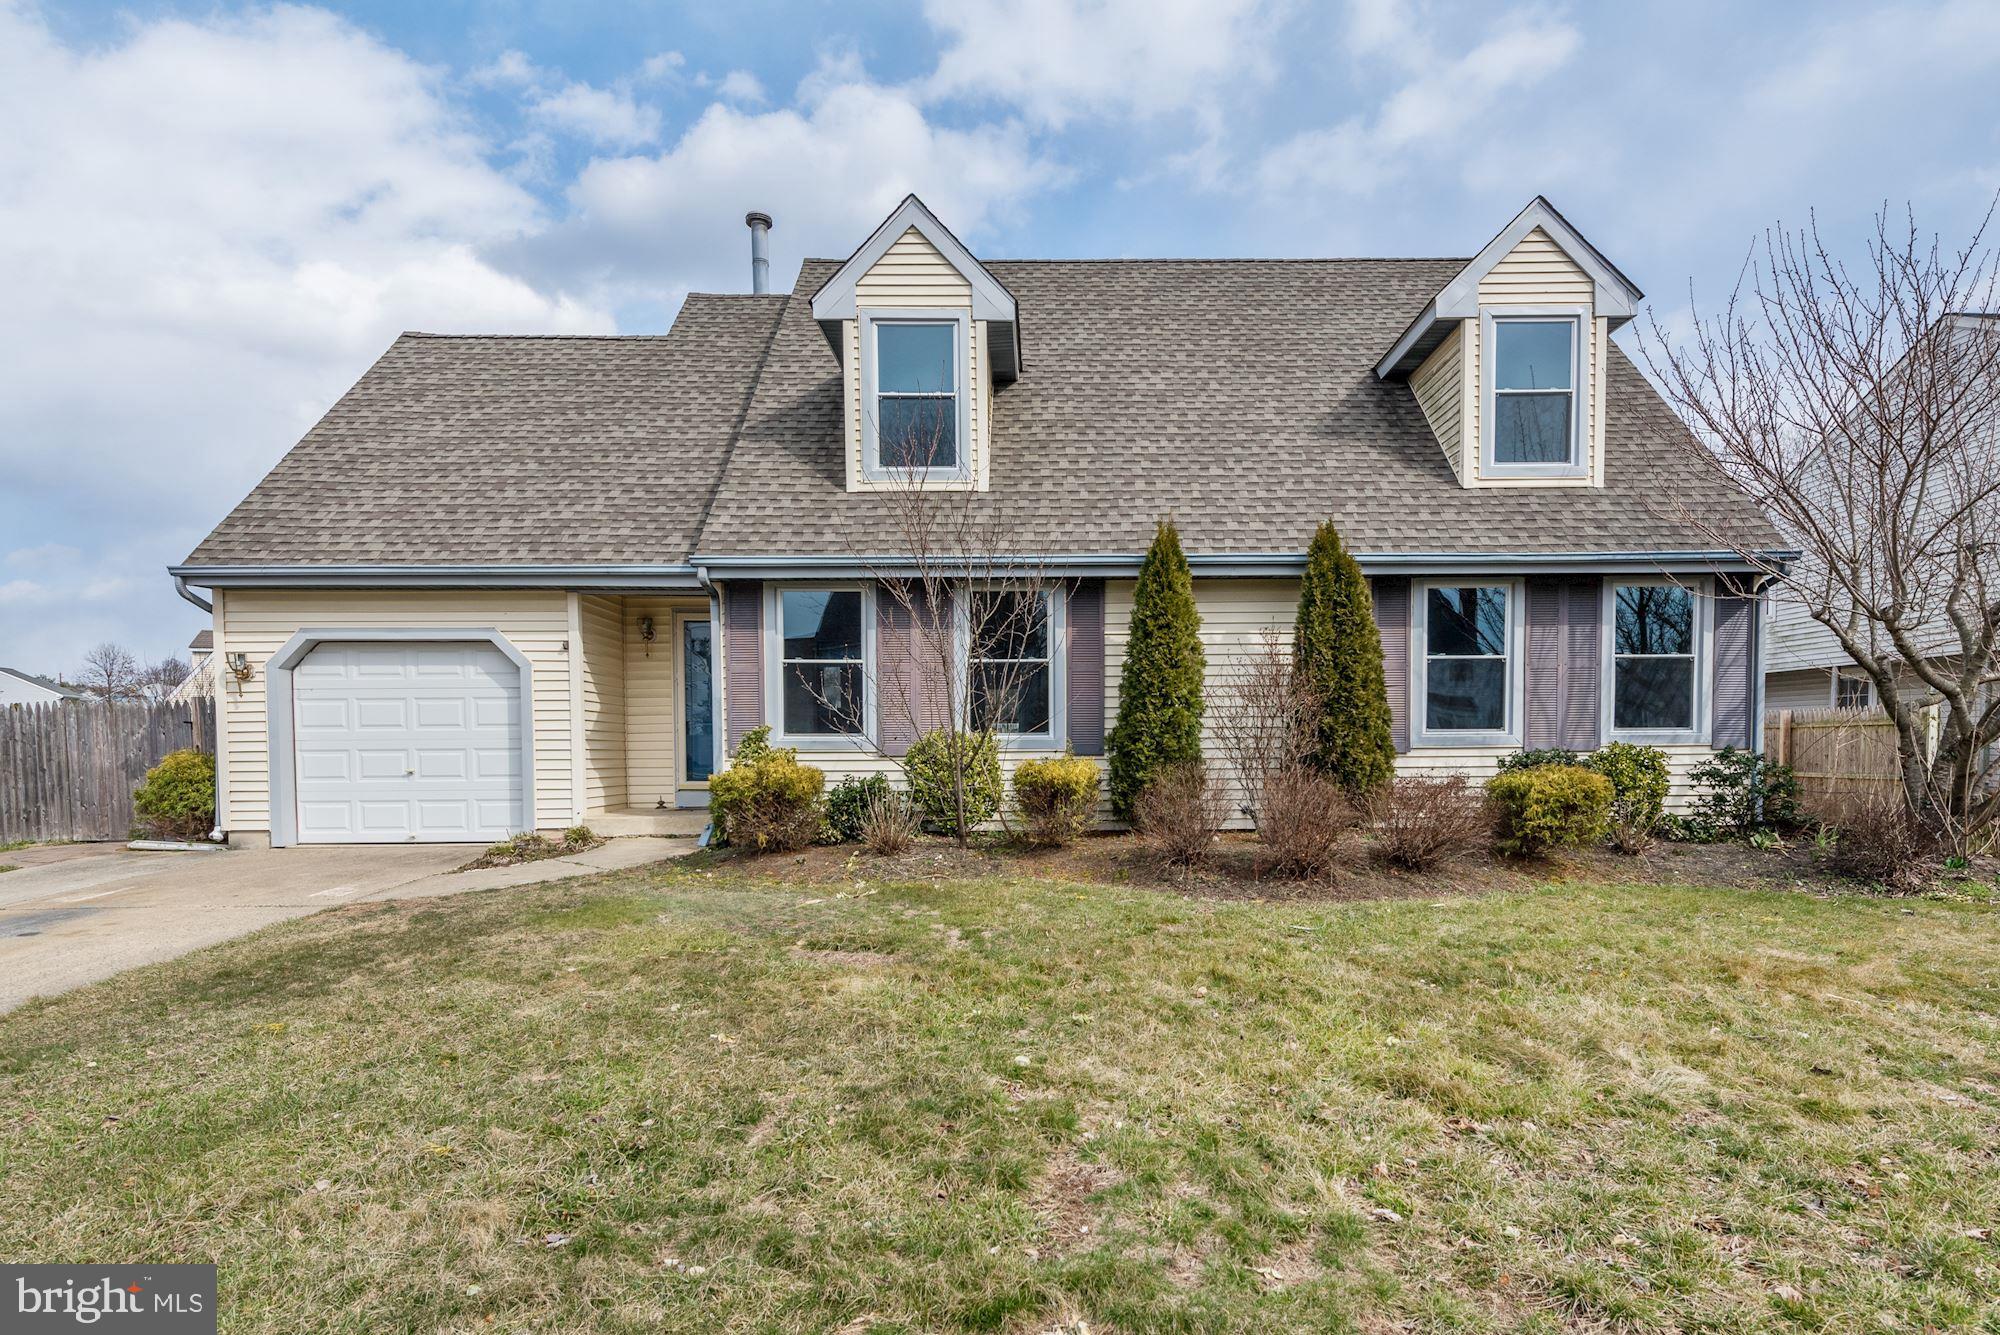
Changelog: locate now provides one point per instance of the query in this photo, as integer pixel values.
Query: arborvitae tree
(1339, 653)
(1159, 691)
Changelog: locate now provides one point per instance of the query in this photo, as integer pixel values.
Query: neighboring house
(1805, 666)
(200, 682)
(25, 688)
(521, 581)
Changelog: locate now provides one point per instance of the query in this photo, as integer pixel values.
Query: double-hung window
(1655, 650)
(1532, 401)
(1466, 674)
(1011, 667)
(821, 666)
(915, 372)
(1851, 691)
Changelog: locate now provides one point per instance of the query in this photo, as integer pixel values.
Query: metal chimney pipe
(760, 251)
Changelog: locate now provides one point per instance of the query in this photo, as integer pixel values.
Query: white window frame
(774, 669)
(1421, 734)
(1053, 739)
(868, 318)
(1490, 318)
(1702, 591)
(1866, 683)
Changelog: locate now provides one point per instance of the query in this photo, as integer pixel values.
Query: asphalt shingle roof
(1237, 395)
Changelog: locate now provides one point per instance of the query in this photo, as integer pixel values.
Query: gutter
(578, 577)
(1247, 565)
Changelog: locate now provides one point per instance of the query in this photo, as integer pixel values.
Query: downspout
(181, 587)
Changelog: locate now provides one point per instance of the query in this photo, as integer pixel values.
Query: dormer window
(1533, 369)
(916, 394)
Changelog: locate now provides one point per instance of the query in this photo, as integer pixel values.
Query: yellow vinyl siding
(258, 622)
(1537, 273)
(1440, 393)
(912, 273)
(1239, 617)
(652, 701)
(601, 670)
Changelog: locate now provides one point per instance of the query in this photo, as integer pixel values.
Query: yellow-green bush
(1550, 806)
(944, 765)
(177, 800)
(1056, 797)
(766, 801)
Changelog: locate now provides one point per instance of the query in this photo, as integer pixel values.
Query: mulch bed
(1236, 871)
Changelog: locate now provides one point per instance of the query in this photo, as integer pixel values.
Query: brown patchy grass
(826, 1095)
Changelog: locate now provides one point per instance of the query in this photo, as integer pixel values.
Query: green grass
(694, 1100)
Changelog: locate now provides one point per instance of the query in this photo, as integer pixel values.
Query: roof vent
(760, 251)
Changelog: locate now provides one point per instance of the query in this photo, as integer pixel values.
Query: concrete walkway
(75, 914)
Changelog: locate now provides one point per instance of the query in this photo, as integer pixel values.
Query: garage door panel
(439, 713)
(389, 765)
(400, 742)
(446, 765)
(322, 715)
(325, 766)
(378, 715)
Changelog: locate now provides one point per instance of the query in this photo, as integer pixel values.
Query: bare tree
(1265, 721)
(974, 619)
(156, 683)
(110, 672)
(1860, 409)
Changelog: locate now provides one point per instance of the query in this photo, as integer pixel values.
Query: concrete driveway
(72, 915)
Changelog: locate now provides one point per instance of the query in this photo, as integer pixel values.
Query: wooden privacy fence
(1839, 755)
(67, 771)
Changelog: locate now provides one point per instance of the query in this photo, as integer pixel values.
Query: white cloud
(1444, 100)
(21, 591)
(1853, 60)
(741, 86)
(665, 65)
(656, 226)
(1056, 59)
(604, 116)
(209, 229)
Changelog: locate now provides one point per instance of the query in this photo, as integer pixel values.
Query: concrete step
(672, 823)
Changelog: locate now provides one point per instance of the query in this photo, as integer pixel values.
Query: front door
(697, 708)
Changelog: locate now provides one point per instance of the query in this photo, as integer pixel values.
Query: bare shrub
(889, 824)
(1421, 823)
(1264, 720)
(1181, 811)
(1880, 841)
(1306, 818)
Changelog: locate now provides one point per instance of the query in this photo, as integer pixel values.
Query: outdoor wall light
(646, 634)
(239, 666)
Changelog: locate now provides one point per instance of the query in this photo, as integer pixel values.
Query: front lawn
(698, 1099)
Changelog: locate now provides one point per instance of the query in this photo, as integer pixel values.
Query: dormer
(923, 333)
(1508, 359)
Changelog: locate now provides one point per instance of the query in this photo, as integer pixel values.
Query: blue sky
(214, 216)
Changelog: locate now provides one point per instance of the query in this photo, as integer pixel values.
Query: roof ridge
(742, 416)
(1211, 259)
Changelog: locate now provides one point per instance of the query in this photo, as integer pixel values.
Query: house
(25, 688)
(200, 683)
(526, 581)
(1806, 667)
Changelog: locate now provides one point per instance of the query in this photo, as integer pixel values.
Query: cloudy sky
(213, 217)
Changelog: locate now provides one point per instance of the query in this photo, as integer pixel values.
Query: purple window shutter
(1548, 649)
(1392, 623)
(1084, 661)
(910, 701)
(1735, 685)
(1583, 664)
(742, 658)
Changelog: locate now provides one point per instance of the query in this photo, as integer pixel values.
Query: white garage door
(402, 742)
